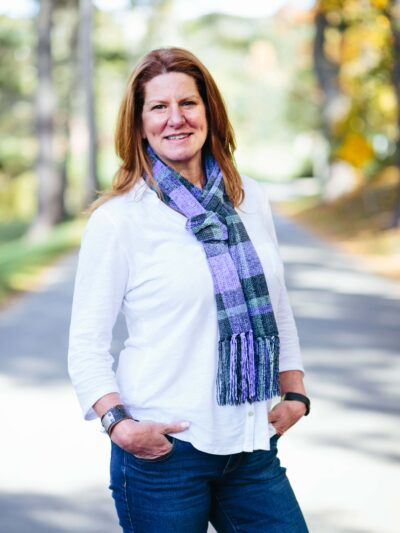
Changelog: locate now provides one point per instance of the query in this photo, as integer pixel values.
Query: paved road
(343, 460)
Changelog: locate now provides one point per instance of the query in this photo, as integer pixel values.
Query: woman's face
(174, 120)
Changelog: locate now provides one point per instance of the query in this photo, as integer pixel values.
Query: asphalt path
(343, 460)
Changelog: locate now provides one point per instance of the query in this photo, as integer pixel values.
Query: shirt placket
(249, 427)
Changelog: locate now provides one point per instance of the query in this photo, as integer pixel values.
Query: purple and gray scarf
(248, 346)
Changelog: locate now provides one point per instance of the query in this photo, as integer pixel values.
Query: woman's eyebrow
(190, 96)
(153, 100)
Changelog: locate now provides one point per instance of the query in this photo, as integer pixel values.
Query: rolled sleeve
(100, 285)
(290, 353)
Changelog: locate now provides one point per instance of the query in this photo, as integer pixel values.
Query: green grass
(22, 260)
(12, 230)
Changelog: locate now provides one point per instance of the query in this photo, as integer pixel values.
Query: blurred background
(313, 92)
(312, 89)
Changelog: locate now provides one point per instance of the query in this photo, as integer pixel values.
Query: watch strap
(296, 396)
(113, 416)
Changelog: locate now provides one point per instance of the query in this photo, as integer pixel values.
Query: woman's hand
(145, 439)
(285, 414)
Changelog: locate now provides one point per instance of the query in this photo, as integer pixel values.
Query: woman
(186, 248)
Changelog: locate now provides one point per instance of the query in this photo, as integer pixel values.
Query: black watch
(113, 416)
(296, 396)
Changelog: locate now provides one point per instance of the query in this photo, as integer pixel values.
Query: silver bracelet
(113, 416)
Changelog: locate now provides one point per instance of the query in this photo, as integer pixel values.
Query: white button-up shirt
(137, 256)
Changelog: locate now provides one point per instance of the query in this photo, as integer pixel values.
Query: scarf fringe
(248, 369)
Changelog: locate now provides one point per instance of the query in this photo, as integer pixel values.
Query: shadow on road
(34, 332)
(349, 332)
(39, 513)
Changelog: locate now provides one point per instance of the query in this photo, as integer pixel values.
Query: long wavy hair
(131, 147)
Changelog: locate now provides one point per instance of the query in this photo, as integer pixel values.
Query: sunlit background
(313, 92)
(311, 89)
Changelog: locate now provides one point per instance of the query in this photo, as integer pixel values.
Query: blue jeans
(185, 489)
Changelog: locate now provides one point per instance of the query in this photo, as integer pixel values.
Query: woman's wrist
(114, 416)
(106, 402)
(292, 381)
(302, 401)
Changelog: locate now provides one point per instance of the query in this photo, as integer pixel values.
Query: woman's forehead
(170, 84)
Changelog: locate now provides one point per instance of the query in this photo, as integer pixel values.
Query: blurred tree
(49, 179)
(394, 16)
(16, 85)
(354, 61)
(161, 15)
(88, 98)
(327, 68)
(67, 76)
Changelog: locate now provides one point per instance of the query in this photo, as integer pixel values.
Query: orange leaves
(380, 4)
(356, 150)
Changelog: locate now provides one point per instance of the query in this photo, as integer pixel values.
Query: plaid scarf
(248, 346)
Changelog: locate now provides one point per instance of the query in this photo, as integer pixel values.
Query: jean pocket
(164, 457)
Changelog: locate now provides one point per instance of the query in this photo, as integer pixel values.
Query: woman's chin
(181, 157)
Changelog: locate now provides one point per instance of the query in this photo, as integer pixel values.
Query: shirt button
(251, 413)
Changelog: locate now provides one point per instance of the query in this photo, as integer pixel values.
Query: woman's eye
(189, 103)
(158, 106)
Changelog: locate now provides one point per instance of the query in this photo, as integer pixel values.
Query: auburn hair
(131, 147)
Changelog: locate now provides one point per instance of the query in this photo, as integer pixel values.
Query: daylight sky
(186, 8)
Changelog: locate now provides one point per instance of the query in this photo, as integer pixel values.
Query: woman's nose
(176, 116)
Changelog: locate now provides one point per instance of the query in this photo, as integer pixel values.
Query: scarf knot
(207, 227)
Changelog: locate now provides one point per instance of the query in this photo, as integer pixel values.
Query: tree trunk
(333, 103)
(327, 74)
(49, 182)
(86, 64)
(395, 26)
(68, 98)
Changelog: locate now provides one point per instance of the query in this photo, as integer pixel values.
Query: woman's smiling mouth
(178, 137)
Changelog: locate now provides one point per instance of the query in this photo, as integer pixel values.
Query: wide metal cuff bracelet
(113, 416)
